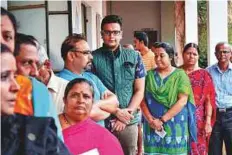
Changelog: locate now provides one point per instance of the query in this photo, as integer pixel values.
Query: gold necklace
(66, 120)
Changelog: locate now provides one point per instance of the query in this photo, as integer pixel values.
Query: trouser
(222, 131)
(128, 139)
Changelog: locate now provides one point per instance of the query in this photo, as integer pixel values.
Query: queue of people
(94, 105)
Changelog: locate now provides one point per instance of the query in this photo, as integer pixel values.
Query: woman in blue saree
(168, 105)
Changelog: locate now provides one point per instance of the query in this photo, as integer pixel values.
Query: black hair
(5, 49)
(168, 49)
(20, 39)
(111, 19)
(77, 81)
(193, 45)
(142, 36)
(4, 12)
(69, 43)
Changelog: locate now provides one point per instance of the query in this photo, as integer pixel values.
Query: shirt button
(31, 137)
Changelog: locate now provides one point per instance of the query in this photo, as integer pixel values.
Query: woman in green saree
(168, 105)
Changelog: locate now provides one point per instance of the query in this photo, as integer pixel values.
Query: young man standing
(141, 44)
(122, 71)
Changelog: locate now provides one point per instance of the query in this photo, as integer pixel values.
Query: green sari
(161, 95)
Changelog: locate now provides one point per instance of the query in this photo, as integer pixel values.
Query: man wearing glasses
(77, 58)
(222, 77)
(122, 72)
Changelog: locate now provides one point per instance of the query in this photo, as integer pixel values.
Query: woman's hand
(208, 129)
(156, 124)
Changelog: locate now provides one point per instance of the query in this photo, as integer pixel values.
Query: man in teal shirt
(77, 57)
(122, 72)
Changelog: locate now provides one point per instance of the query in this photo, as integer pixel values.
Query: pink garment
(88, 135)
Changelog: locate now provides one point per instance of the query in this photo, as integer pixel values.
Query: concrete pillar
(91, 28)
(217, 26)
(191, 22)
(179, 30)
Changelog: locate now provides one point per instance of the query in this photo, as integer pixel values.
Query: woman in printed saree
(168, 107)
(81, 134)
(204, 95)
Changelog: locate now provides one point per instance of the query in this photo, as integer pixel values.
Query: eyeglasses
(108, 33)
(86, 52)
(224, 52)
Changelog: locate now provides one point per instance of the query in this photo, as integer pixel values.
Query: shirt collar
(110, 52)
(229, 68)
(53, 83)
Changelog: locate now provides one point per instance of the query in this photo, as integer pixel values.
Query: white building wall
(191, 21)
(76, 16)
(136, 15)
(31, 21)
(217, 26)
(58, 30)
(23, 3)
(93, 7)
(168, 22)
(4, 4)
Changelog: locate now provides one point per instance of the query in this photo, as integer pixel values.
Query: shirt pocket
(129, 70)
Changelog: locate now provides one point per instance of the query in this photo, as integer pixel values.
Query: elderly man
(221, 73)
(123, 72)
(77, 57)
(55, 85)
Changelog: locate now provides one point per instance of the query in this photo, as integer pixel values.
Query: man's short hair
(142, 36)
(220, 44)
(69, 43)
(111, 19)
(20, 39)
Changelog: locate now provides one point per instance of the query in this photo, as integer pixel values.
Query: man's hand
(118, 126)
(105, 95)
(124, 115)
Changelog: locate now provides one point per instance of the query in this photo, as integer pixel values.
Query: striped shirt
(149, 60)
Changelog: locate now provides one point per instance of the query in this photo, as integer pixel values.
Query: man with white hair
(55, 85)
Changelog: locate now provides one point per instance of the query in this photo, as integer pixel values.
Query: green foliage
(202, 33)
(202, 30)
(230, 22)
(230, 33)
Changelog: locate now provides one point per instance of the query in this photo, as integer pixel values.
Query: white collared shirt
(56, 87)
